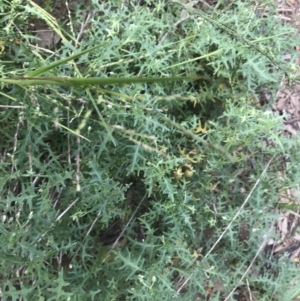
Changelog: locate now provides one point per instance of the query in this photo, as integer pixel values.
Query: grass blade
(68, 81)
(42, 70)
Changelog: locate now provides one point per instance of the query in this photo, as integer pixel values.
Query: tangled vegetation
(143, 191)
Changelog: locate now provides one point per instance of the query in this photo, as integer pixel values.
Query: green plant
(84, 166)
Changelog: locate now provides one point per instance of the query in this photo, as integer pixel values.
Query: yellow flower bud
(188, 170)
(178, 173)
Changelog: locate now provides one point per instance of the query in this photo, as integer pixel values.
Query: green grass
(154, 138)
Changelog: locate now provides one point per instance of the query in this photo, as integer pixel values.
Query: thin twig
(84, 26)
(169, 31)
(262, 246)
(128, 223)
(59, 194)
(93, 223)
(30, 162)
(249, 290)
(66, 210)
(233, 219)
(77, 174)
(16, 141)
(11, 107)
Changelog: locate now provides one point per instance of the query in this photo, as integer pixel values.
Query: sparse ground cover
(165, 190)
